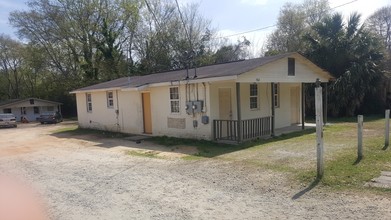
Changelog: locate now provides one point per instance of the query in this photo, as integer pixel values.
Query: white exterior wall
(161, 112)
(214, 98)
(130, 112)
(130, 117)
(282, 113)
(101, 117)
(278, 72)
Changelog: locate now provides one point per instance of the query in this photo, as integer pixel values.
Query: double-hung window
(174, 99)
(253, 96)
(89, 102)
(110, 99)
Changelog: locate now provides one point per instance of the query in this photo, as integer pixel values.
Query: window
(23, 110)
(50, 108)
(89, 102)
(276, 95)
(291, 66)
(7, 111)
(36, 110)
(110, 99)
(253, 96)
(174, 99)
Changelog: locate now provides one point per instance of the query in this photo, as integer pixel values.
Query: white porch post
(302, 106)
(273, 109)
(239, 112)
(325, 103)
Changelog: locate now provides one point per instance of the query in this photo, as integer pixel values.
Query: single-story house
(232, 101)
(29, 108)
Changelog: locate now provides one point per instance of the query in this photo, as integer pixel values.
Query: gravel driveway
(84, 177)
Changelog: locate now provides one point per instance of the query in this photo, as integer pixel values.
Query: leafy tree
(232, 52)
(353, 55)
(85, 36)
(11, 73)
(294, 21)
(380, 23)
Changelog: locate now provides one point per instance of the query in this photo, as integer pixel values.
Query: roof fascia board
(94, 90)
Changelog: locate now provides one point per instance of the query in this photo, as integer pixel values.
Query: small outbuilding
(29, 108)
(233, 101)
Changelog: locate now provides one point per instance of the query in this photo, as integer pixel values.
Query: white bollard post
(387, 130)
(319, 129)
(360, 120)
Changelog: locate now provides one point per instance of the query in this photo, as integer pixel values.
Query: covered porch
(280, 109)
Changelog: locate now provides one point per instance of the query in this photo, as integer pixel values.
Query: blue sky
(230, 16)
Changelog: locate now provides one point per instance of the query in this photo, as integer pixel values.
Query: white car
(8, 120)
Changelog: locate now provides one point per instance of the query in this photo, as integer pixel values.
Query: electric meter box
(205, 119)
(194, 107)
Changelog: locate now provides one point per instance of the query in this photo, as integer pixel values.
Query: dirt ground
(89, 177)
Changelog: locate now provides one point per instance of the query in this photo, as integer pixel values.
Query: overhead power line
(274, 25)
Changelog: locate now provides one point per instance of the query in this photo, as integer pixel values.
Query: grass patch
(149, 154)
(209, 149)
(205, 148)
(75, 130)
(68, 129)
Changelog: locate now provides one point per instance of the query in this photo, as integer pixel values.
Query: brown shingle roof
(217, 70)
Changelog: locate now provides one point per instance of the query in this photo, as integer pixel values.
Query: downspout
(117, 111)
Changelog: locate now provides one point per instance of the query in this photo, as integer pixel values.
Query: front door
(146, 98)
(295, 105)
(225, 112)
(225, 108)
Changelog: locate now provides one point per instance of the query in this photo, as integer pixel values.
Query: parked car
(50, 117)
(8, 120)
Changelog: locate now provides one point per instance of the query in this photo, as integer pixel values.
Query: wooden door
(295, 105)
(147, 118)
(225, 105)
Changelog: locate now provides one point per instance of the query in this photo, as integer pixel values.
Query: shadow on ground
(307, 189)
(204, 149)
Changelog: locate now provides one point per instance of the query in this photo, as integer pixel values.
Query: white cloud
(254, 2)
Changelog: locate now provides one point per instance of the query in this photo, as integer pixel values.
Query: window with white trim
(174, 99)
(276, 95)
(89, 102)
(253, 96)
(110, 99)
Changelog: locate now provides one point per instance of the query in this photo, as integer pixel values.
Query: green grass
(343, 169)
(75, 130)
(293, 154)
(149, 154)
(70, 129)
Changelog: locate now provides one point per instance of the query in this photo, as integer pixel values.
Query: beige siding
(128, 120)
(101, 117)
(131, 112)
(214, 98)
(278, 72)
(282, 113)
(161, 113)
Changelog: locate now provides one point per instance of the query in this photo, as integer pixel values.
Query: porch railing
(251, 128)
